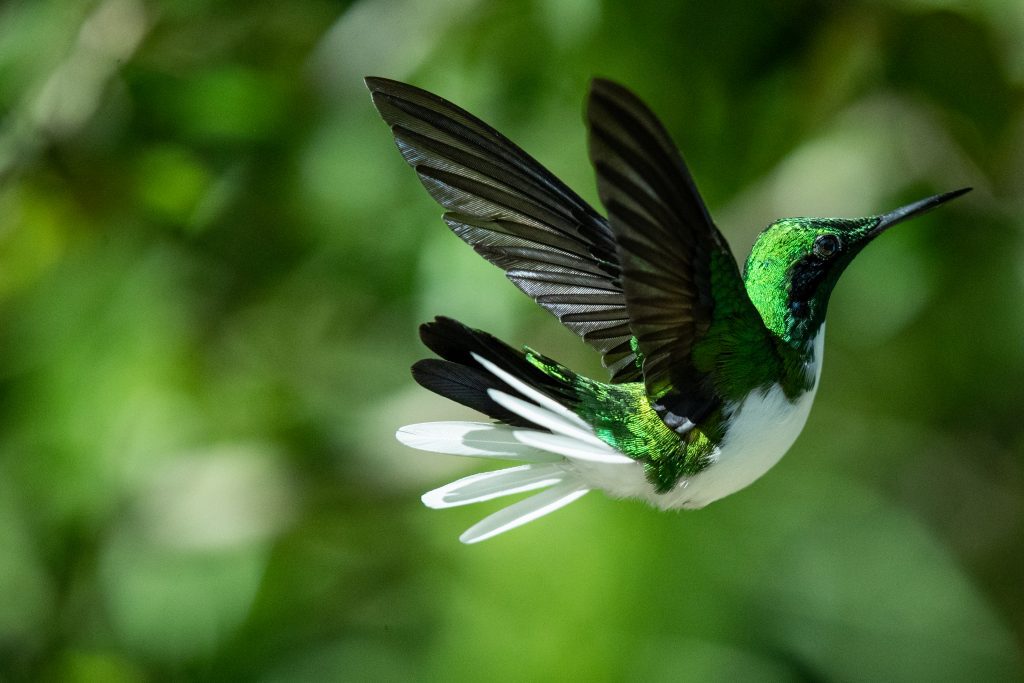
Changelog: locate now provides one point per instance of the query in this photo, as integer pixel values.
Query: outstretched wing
(551, 244)
(684, 294)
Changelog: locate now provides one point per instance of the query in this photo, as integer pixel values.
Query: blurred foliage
(213, 262)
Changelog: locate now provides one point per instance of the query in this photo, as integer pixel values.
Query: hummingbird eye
(826, 245)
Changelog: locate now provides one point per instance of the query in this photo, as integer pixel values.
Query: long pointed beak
(887, 220)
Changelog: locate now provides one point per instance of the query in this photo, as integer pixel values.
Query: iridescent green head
(796, 262)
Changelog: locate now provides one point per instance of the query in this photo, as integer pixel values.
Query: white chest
(763, 428)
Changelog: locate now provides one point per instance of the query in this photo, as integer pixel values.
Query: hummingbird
(713, 370)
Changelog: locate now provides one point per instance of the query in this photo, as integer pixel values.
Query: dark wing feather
(517, 215)
(676, 267)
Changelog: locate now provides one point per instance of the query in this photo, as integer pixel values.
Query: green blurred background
(213, 262)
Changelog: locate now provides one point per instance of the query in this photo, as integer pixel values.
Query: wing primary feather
(667, 245)
(512, 211)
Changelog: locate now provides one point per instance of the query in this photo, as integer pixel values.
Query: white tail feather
(487, 485)
(550, 455)
(524, 511)
(571, 448)
(543, 417)
(475, 439)
(532, 394)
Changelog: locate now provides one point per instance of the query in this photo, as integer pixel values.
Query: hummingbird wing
(515, 213)
(687, 304)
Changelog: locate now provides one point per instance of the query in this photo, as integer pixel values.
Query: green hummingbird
(713, 371)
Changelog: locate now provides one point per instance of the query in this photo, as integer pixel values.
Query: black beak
(887, 220)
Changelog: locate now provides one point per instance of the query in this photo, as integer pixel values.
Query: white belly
(764, 427)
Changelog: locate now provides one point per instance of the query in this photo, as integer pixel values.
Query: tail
(531, 399)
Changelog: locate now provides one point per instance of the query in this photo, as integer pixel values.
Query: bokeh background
(213, 262)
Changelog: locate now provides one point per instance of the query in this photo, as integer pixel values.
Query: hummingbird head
(796, 262)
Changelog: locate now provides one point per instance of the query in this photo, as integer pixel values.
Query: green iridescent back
(622, 417)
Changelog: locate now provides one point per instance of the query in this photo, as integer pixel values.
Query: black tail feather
(464, 385)
(456, 342)
(462, 379)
